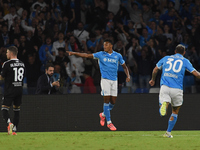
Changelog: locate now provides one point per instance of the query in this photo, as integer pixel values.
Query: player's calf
(5, 114)
(16, 110)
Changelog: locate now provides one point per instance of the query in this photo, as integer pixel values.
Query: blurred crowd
(143, 31)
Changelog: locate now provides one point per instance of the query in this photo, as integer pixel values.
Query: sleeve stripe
(123, 63)
(5, 62)
(159, 67)
(191, 71)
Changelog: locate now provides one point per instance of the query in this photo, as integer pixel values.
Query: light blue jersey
(108, 64)
(173, 70)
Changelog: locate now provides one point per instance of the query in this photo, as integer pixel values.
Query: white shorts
(108, 87)
(171, 95)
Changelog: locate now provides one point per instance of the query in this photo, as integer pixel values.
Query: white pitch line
(156, 135)
(173, 135)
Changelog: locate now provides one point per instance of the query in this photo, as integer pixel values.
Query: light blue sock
(171, 123)
(106, 111)
(111, 106)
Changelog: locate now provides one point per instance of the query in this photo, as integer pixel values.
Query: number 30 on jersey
(173, 65)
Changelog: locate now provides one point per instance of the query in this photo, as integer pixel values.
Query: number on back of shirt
(18, 74)
(175, 66)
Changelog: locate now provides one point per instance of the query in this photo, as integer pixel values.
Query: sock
(108, 122)
(103, 114)
(171, 123)
(106, 111)
(14, 129)
(6, 116)
(16, 119)
(111, 106)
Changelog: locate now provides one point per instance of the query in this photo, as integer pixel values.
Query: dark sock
(5, 115)
(16, 119)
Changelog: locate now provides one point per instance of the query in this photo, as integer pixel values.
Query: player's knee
(4, 107)
(16, 108)
(171, 118)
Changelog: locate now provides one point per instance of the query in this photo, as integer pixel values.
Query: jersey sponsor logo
(110, 60)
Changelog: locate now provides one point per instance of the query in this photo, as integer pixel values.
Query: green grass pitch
(109, 140)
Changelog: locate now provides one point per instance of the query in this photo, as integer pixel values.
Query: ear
(184, 53)
(111, 45)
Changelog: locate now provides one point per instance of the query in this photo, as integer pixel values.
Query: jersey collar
(108, 53)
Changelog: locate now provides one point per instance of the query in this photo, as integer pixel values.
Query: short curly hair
(180, 49)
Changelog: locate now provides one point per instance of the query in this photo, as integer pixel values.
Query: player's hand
(128, 79)
(152, 82)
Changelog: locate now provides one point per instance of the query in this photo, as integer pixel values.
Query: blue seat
(142, 90)
(124, 90)
(188, 81)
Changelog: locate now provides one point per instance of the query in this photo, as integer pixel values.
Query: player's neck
(110, 51)
(13, 57)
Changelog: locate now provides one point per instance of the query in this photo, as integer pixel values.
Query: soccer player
(108, 63)
(13, 74)
(171, 91)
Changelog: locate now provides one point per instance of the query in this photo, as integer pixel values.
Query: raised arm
(136, 33)
(73, 16)
(142, 21)
(85, 55)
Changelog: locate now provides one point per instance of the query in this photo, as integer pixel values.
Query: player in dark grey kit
(13, 73)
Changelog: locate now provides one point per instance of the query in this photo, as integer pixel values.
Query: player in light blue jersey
(108, 63)
(171, 91)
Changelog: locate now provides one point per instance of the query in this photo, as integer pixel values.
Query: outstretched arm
(196, 74)
(126, 72)
(80, 54)
(154, 73)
